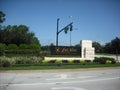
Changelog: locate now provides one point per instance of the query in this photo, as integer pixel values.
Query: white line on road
(67, 88)
(29, 84)
(93, 80)
(64, 76)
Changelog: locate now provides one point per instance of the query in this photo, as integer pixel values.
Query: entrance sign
(87, 51)
(65, 50)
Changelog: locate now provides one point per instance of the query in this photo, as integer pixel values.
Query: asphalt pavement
(66, 79)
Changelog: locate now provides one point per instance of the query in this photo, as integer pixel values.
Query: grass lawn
(42, 67)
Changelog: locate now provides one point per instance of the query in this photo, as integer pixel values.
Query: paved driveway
(67, 79)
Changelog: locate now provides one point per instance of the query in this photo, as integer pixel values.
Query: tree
(98, 47)
(2, 49)
(113, 46)
(17, 35)
(2, 17)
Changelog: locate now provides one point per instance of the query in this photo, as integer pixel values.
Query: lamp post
(57, 32)
(70, 30)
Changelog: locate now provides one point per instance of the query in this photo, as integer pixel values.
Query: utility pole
(57, 32)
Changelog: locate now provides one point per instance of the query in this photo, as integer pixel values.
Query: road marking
(83, 77)
(29, 84)
(93, 80)
(67, 88)
(64, 76)
(60, 77)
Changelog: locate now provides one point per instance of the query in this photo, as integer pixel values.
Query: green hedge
(104, 60)
(21, 49)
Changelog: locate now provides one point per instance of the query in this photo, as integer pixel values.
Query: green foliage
(108, 62)
(82, 61)
(22, 49)
(113, 46)
(34, 46)
(76, 61)
(104, 60)
(70, 62)
(12, 47)
(2, 49)
(10, 61)
(98, 47)
(58, 62)
(23, 46)
(6, 62)
(2, 15)
(17, 35)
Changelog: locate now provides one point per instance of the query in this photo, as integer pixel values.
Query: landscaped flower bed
(33, 60)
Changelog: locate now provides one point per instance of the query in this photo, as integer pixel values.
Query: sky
(96, 20)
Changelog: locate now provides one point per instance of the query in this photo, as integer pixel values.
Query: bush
(70, 61)
(2, 49)
(108, 61)
(6, 62)
(64, 61)
(76, 61)
(23, 46)
(28, 60)
(45, 61)
(59, 62)
(34, 46)
(88, 62)
(12, 47)
(104, 60)
(82, 61)
(52, 61)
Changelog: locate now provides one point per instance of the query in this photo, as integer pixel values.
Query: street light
(57, 32)
(70, 30)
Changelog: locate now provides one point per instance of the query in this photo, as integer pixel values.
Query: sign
(65, 50)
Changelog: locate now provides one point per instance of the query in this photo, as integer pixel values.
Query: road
(67, 79)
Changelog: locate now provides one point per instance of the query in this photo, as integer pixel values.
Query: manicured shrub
(87, 61)
(12, 47)
(59, 62)
(64, 61)
(45, 53)
(28, 60)
(82, 61)
(34, 46)
(108, 61)
(70, 61)
(52, 61)
(23, 46)
(103, 60)
(76, 61)
(2, 49)
(6, 62)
